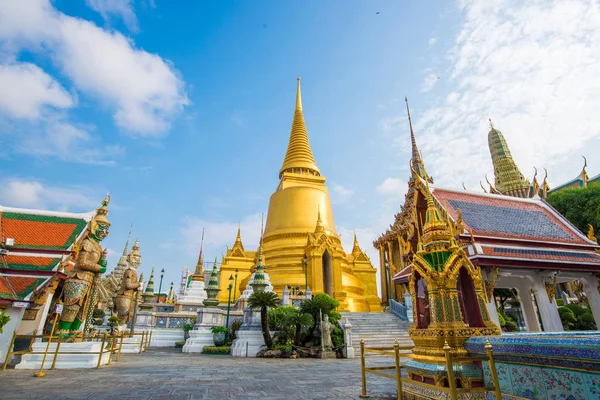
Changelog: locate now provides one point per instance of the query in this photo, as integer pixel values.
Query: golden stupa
(300, 244)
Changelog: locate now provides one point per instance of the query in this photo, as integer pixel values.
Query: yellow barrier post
(398, 373)
(10, 349)
(493, 372)
(120, 346)
(363, 373)
(141, 342)
(41, 372)
(56, 351)
(112, 348)
(101, 350)
(150, 341)
(450, 371)
(32, 340)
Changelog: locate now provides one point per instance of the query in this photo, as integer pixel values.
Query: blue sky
(182, 110)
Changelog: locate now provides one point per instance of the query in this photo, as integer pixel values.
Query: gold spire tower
(300, 244)
(509, 180)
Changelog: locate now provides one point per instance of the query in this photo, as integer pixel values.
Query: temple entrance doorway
(327, 273)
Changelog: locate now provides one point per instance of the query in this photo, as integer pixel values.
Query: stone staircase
(378, 329)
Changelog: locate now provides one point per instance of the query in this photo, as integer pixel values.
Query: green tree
(298, 319)
(264, 301)
(321, 304)
(3, 320)
(581, 206)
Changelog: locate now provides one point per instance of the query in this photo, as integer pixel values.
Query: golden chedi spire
(509, 180)
(198, 272)
(299, 157)
(416, 161)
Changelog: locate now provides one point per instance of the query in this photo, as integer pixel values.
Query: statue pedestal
(64, 360)
(166, 337)
(326, 354)
(144, 320)
(202, 335)
(250, 339)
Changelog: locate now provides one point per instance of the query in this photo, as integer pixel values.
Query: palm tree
(299, 319)
(264, 301)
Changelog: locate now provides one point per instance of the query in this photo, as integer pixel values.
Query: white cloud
(432, 41)
(15, 192)
(340, 194)
(26, 90)
(122, 9)
(392, 187)
(66, 142)
(145, 90)
(534, 68)
(429, 82)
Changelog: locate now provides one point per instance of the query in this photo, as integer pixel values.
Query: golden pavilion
(300, 245)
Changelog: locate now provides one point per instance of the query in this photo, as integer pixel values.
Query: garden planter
(219, 338)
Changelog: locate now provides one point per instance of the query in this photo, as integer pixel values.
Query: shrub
(3, 320)
(218, 329)
(187, 327)
(179, 344)
(567, 317)
(216, 350)
(576, 309)
(337, 337)
(98, 313)
(98, 321)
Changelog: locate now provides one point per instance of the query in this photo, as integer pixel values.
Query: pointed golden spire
(198, 273)
(299, 157)
(508, 178)
(319, 227)
(416, 160)
(127, 242)
(238, 238)
(584, 176)
(535, 186)
(356, 247)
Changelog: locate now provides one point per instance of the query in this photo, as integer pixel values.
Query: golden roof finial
(415, 149)
(535, 186)
(481, 184)
(463, 185)
(590, 234)
(584, 176)
(299, 155)
(545, 186)
(356, 247)
(491, 124)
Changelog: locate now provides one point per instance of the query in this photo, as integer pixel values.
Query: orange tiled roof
(34, 231)
(21, 285)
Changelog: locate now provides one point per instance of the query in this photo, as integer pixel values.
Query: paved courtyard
(170, 374)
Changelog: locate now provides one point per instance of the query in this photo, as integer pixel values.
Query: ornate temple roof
(42, 239)
(299, 155)
(500, 216)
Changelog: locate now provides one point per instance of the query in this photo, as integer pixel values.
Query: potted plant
(219, 335)
(186, 331)
(113, 322)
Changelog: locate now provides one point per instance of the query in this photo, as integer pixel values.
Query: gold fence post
(112, 348)
(10, 350)
(450, 371)
(32, 340)
(398, 373)
(150, 341)
(363, 371)
(101, 350)
(142, 342)
(493, 372)
(120, 347)
(41, 372)
(56, 351)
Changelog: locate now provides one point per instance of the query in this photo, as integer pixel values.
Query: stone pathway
(159, 374)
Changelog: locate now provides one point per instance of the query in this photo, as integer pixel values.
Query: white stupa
(194, 293)
(249, 337)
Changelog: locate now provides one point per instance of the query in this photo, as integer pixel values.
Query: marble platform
(64, 360)
(165, 337)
